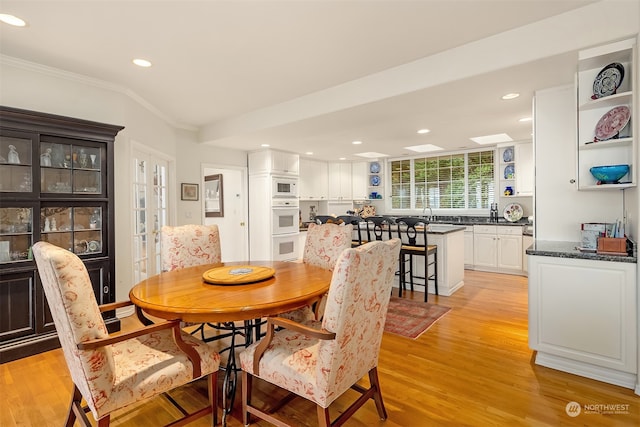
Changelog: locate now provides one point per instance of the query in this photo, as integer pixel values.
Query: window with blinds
(453, 181)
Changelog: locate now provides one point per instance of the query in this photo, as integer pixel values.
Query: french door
(150, 211)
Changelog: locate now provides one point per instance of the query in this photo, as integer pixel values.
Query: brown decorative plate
(237, 274)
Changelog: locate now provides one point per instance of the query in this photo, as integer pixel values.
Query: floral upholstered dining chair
(189, 245)
(321, 360)
(112, 372)
(324, 244)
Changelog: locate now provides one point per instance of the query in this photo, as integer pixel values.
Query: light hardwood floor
(472, 368)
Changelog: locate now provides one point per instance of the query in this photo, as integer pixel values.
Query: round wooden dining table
(184, 295)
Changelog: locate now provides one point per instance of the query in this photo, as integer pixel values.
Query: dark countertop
(459, 220)
(562, 249)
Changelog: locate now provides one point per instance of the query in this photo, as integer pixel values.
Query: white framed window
(450, 181)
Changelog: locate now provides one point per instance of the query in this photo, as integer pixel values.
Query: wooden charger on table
(237, 274)
(612, 245)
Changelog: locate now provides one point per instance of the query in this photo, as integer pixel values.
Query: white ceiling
(217, 62)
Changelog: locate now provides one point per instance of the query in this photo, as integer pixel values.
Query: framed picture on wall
(189, 191)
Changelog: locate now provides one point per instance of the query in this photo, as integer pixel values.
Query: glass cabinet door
(15, 164)
(78, 229)
(16, 237)
(70, 168)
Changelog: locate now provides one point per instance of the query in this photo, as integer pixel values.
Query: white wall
(33, 87)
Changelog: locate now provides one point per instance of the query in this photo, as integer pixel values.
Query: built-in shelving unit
(376, 180)
(621, 148)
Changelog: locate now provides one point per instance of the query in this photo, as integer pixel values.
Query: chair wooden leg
(323, 416)
(377, 396)
(246, 397)
(411, 271)
(76, 400)
(212, 384)
(401, 275)
(435, 270)
(104, 421)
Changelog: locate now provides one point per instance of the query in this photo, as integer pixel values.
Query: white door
(234, 237)
(150, 211)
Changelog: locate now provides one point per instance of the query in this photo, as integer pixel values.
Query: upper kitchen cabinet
(314, 181)
(606, 100)
(274, 162)
(359, 180)
(340, 181)
(516, 170)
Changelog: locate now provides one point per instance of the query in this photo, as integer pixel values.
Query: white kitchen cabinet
(314, 180)
(360, 180)
(582, 317)
(524, 177)
(468, 247)
(527, 241)
(340, 181)
(274, 162)
(610, 150)
(497, 248)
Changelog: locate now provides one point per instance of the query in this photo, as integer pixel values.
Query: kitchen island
(450, 242)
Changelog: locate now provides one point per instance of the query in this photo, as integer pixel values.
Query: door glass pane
(150, 209)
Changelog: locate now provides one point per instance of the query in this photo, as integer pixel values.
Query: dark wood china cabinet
(56, 185)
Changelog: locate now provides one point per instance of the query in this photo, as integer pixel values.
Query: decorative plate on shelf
(608, 80)
(507, 156)
(512, 212)
(374, 167)
(93, 246)
(375, 180)
(612, 122)
(509, 172)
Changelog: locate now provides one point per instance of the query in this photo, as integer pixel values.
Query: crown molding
(90, 81)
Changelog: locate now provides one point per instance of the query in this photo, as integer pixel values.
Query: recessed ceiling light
(309, 153)
(525, 119)
(371, 155)
(424, 148)
(357, 142)
(264, 145)
(422, 131)
(12, 20)
(492, 139)
(142, 62)
(342, 158)
(510, 96)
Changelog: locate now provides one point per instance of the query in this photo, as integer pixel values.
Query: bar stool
(409, 229)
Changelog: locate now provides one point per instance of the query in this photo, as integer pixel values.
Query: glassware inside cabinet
(15, 165)
(87, 181)
(57, 226)
(88, 230)
(16, 226)
(54, 180)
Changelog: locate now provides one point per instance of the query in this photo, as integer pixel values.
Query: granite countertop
(562, 249)
(458, 221)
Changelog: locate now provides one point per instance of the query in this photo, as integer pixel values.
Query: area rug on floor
(410, 318)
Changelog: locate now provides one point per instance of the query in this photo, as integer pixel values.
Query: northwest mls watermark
(574, 409)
